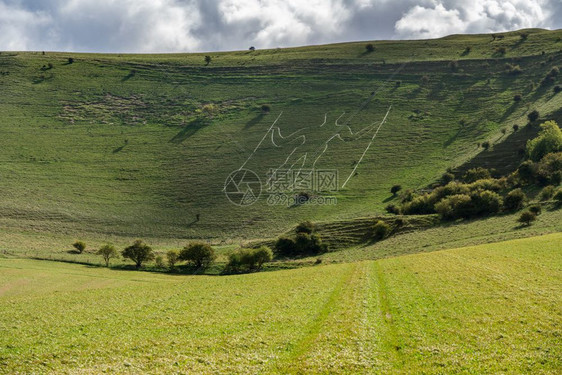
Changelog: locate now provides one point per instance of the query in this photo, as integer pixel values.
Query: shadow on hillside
(189, 130)
(131, 74)
(256, 120)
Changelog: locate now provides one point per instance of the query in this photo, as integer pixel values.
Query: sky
(150, 26)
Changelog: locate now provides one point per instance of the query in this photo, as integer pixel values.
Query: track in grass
(483, 309)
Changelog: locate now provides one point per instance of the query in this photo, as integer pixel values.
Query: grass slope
(493, 308)
(137, 145)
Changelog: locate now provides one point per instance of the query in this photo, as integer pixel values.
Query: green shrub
(515, 127)
(533, 116)
(486, 145)
(451, 188)
(485, 202)
(558, 196)
(266, 108)
(536, 209)
(549, 140)
(308, 244)
(393, 209)
(159, 261)
(447, 177)
(305, 227)
(381, 230)
(547, 193)
(262, 254)
(285, 246)
(198, 254)
(79, 246)
(517, 98)
(527, 218)
(420, 205)
(515, 200)
(172, 257)
(248, 259)
(208, 59)
(395, 189)
(370, 47)
(475, 174)
(549, 169)
(107, 252)
(138, 252)
(527, 171)
(491, 184)
(454, 206)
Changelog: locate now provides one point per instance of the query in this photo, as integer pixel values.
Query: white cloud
(198, 25)
(20, 27)
(447, 17)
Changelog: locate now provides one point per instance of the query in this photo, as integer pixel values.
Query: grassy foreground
(492, 308)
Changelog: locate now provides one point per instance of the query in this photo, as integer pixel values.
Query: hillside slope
(141, 145)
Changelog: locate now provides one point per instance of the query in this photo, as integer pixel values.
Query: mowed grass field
(125, 146)
(488, 309)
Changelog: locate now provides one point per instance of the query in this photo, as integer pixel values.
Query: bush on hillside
(419, 205)
(536, 209)
(305, 227)
(248, 259)
(527, 171)
(107, 252)
(558, 196)
(485, 202)
(549, 169)
(515, 200)
(393, 209)
(381, 230)
(454, 207)
(395, 189)
(533, 116)
(370, 47)
(138, 252)
(517, 98)
(79, 246)
(547, 193)
(527, 218)
(515, 127)
(549, 140)
(476, 174)
(199, 254)
(486, 145)
(172, 257)
(557, 89)
(447, 177)
(159, 261)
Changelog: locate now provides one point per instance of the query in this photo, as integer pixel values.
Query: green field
(113, 147)
(486, 309)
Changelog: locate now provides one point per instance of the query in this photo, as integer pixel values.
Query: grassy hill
(492, 308)
(122, 146)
